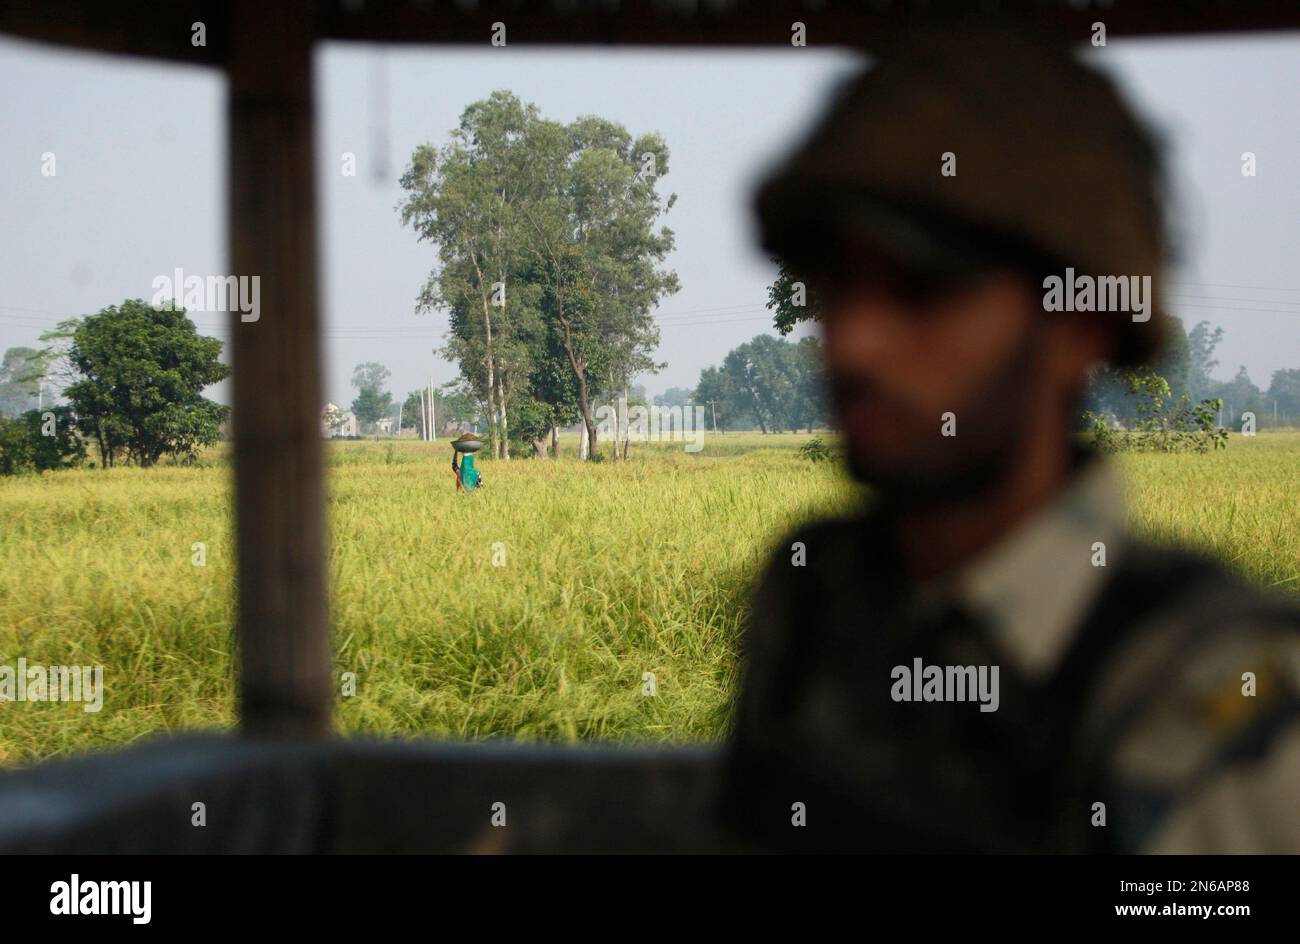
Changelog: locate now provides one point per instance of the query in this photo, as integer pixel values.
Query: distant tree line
(767, 383)
(453, 403)
(1123, 398)
(1186, 365)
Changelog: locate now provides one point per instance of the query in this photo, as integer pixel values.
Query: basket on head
(467, 443)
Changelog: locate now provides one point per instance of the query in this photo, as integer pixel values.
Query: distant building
(336, 422)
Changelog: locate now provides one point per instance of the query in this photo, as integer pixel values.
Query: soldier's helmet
(960, 152)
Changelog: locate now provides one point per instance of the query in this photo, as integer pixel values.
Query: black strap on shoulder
(1196, 597)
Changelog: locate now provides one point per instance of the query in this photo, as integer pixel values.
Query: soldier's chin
(887, 476)
(899, 481)
(931, 481)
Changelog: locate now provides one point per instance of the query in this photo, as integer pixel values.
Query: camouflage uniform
(1125, 720)
(1119, 683)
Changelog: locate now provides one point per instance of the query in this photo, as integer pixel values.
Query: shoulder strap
(1188, 601)
(1145, 586)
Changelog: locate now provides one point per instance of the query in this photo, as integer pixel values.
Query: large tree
(142, 372)
(599, 252)
(465, 199)
(548, 252)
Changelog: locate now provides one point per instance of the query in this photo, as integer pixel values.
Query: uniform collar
(1033, 588)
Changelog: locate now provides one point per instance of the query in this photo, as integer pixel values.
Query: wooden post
(282, 623)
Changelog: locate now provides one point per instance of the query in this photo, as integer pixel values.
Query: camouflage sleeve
(1212, 765)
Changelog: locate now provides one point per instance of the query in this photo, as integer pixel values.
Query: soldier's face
(934, 389)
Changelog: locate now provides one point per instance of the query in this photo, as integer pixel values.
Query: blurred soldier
(985, 660)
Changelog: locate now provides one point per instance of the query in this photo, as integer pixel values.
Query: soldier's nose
(861, 332)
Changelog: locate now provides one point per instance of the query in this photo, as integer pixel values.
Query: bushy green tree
(1164, 423)
(142, 372)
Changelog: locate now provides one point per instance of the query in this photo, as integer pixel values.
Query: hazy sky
(140, 185)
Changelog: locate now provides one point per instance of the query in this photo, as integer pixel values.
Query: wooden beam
(161, 28)
(283, 636)
(854, 23)
(156, 29)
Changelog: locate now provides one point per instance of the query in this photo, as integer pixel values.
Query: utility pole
(714, 406)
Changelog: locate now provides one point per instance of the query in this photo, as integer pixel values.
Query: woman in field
(467, 476)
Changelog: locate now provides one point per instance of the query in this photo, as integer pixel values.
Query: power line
(1253, 288)
(1252, 301)
(1265, 311)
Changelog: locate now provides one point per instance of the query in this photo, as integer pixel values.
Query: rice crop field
(532, 609)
